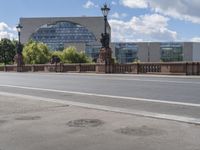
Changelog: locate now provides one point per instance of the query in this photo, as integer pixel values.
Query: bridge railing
(184, 68)
(149, 68)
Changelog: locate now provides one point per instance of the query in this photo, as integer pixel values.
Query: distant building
(62, 32)
(84, 33)
(156, 51)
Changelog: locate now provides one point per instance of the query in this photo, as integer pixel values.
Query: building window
(126, 52)
(56, 35)
(92, 51)
(171, 52)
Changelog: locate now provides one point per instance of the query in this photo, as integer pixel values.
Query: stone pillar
(19, 61)
(105, 60)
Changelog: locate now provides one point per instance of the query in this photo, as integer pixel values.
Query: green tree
(70, 55)
(36, 53)
(83, 58)
(7, 51)
(58, 54)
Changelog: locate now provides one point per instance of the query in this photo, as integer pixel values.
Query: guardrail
(179, 68)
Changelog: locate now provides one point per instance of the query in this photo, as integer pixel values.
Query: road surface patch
(139, 131)
(85, 123)
(3, 122)
(28, 118)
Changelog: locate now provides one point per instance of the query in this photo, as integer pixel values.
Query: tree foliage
(58, 54)
(7, 51)
(56, 57)
(70, 55)
(36, 53)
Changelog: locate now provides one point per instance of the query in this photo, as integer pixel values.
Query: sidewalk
(37, 125)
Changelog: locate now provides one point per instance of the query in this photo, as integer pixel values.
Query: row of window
(129, 54)
(126, 52)
(63, 31)
(92, 51)
(171, 52)
(55, 35)
(70, 37)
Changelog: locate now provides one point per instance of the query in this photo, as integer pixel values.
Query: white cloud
(3, 26)
(90, 4)
(180, 9)
(6, 31)
(4, 34)
(113, 3)
(195, 39)
(118, 15)
(135, 3)
(148, 28)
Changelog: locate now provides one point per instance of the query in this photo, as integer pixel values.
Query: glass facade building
(92, 50)
(56, 35)
(171, 52)
(126, 52)
(84, 33)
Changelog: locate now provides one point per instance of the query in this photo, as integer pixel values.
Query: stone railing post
(33, 68)
(78, 68)
(138, 68)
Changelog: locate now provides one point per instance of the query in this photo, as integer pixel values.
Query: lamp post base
(105, 60)
(19, 61)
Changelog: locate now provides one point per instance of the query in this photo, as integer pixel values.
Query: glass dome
(56, 35)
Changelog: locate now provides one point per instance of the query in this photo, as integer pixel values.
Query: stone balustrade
(175, 68)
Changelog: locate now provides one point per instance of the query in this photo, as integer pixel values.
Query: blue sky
(131, 20)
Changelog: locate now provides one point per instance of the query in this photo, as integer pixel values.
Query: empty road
(167, 97)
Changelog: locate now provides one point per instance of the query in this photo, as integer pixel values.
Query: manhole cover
(28, 118)
(140, 131)
(85, 123)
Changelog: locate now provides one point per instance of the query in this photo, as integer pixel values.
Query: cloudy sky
(131, 20)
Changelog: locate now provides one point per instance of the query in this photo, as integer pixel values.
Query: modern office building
(84, 33)
(126, 52)
(61, 32)
(156, 51)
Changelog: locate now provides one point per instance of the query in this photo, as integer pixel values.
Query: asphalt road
(165, 95)
(30, 124)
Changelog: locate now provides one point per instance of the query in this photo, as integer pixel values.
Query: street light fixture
(19, 58)
(105, 10)
(19, 27)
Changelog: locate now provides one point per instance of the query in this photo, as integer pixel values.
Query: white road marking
(151, 80)
(105, 96)
(130, 75)
(121, 77)
(133, 75)
(109, 108)
(118, 75)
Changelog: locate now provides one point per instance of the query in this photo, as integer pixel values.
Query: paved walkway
(38, 125)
